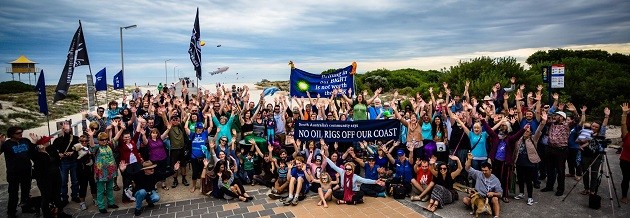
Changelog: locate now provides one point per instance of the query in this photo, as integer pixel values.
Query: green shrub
(11, 87)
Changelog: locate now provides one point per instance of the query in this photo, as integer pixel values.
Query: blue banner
(41, 94)
(119, 82)
(101, 80)
(347, 131)
(322, 84)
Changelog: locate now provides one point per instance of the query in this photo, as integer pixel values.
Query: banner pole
(48, 122)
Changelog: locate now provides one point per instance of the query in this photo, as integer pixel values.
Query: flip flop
(165, 187)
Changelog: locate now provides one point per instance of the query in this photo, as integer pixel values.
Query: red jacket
(125, 152)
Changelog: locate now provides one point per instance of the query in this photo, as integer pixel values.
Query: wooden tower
(23, 65)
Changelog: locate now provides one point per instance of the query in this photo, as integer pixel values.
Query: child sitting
(326, 187)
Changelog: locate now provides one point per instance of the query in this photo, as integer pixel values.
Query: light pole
(166, 71)
(122, 59)
(174, 74)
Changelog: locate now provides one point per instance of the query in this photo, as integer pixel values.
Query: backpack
(398, 191)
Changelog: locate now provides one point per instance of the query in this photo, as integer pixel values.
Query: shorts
(197, 168)
(178, 155)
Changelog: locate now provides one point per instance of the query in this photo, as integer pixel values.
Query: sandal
(505, 200)
(585, 192)
(164, 187)
(416, 198)
(341, 202)
(116, 188)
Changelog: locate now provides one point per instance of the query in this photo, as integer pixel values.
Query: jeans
(572, 162)
(557, 158)
(69, 167)
(142, 195)
(589, 176)
(16, 182)
(476, 164)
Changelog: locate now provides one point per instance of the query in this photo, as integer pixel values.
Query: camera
(599, 144)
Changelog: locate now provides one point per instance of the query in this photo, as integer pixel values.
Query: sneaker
(530, 201)
(295, 201)
(287, 201)
(137, 212)
(546, 189)
(185, 182)
(82, 206)
(113, 206)
(129, 194)
(150, 205)
(520, 196)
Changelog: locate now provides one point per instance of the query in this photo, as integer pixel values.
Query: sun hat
(148, 165)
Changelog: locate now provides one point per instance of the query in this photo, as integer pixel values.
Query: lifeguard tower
(23, 65)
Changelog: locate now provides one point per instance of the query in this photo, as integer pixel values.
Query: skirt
(442, 195)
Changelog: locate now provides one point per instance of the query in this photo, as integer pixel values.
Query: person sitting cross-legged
(145, 181)
(487, 184)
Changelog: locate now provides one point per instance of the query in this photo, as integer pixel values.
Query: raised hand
(544, 116)
(453, 157)
(430, 89)
(513, 79)
(571, 107)
(583, 109)
(506, 96)
(555, 96)
(470, 156)
(433, 160)
(89, 131)
(205, 162)
(607, 111)
(3, 138)
(122, 165)
(539, 87)
(467, 83)
(522, 87)
(624, 107)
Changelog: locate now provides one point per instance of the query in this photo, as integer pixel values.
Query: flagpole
(48, 122)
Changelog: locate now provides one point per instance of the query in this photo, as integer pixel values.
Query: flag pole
(48, 122)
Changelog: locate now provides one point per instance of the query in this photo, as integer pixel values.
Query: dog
(479, 204)
(82, 151)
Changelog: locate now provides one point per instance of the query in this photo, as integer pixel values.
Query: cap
(44, 140)
(387, 114)
(370, 158)
(199, 125)
(400, 152)
(562, 114)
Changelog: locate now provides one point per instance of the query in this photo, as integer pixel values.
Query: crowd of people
(229, 141)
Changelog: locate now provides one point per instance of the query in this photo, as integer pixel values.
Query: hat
(400, 152)
(44, 140)
(387, 114)
(370, 158)
(487, 98)
(117, 116)
(561, 114)
(148, 165)
(199, 125)
(386, 104)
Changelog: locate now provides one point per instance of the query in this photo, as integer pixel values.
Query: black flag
(77, 56)
(195, 47)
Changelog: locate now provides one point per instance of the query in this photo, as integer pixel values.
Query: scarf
(347, 188)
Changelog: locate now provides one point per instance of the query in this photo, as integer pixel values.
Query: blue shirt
(573, 135)
(198, 141)
(404, 170)
(371, 173)
(426, 131)
(297, 173)
(533, 124)
(479, 152)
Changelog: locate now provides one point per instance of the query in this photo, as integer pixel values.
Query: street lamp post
(174, 78)
(166, 71)
(122, 59)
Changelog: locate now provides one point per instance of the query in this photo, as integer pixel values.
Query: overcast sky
(258, 38)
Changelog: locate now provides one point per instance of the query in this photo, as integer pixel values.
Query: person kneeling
(145, 181)
(487, 185)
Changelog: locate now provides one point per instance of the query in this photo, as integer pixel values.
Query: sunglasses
(82, 141)
(443, 168)
(101, 111)
(348, 169)
(20, 132)
(223, 140)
